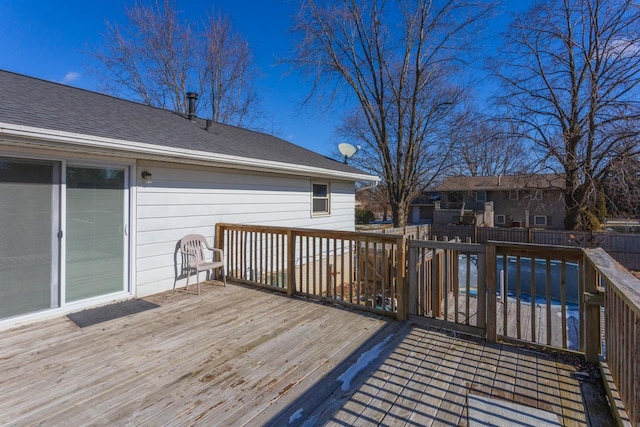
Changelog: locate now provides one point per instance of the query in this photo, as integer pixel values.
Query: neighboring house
(421, 211)
(528, 200)
(97, 191)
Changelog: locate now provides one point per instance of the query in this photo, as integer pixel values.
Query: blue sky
(49, 39)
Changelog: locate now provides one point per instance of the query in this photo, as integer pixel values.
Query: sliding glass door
(96, 212)
(63, 234)
(29, 245)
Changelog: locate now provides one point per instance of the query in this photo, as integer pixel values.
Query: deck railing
(537, 296)
(446, 283)
(549, 296)
(520, 292)
(357, 269)
(622, 327)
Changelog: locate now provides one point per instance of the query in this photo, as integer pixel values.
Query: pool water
(508, 279)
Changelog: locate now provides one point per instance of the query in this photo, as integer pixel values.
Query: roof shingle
(502, 182)
(28, 101)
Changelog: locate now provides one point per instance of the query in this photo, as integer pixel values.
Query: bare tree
(156, 58)
(151, 59)
(229, 72)
(395, 62)
(621, 187)
(486, 147)
(571, 72)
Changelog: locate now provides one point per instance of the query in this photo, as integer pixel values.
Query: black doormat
(96, 315)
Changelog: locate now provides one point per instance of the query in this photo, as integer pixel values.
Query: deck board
(243, 356)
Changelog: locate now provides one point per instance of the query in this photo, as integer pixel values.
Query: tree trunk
(571, 214)
(399, 213)
(575, 203)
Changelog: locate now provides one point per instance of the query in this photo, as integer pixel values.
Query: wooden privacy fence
(356, 269)
(623, 247)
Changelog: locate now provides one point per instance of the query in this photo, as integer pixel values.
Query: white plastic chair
(193, 247)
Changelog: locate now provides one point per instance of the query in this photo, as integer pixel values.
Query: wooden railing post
(219, 237)
(412, 280)
(591, 325)
(490, 282)
(291, 263)
(219, 244)
(401, 279)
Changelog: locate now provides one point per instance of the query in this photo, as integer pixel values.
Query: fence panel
(485, 234)
(452, 231)
(624, 248)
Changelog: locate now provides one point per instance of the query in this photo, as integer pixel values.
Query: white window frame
(537, 217)
(513, 195)
(503, 217)
(484, 196)
(314, 198)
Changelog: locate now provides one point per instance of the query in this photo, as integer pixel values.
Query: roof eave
(100, 145)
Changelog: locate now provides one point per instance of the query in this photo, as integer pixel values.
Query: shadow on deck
(242, 356)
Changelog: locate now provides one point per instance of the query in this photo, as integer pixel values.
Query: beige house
(527, 200)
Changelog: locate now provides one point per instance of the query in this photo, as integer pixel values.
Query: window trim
(537, 194)
(504, 219)
(481, 199)
(326, 212)
(536, 217)
(513, 195)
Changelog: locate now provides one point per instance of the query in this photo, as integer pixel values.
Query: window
(539, 220)
(320, 198)
(536, 195)
(513, 194)
(501, 219)
(481, 196)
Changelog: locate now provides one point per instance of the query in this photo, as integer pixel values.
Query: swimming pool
(508, 279)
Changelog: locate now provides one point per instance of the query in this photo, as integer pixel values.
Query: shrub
(364, 216)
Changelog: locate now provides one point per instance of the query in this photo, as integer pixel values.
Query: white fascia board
(18, 133)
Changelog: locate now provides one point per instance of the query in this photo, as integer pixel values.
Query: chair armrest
(215, 251)
(219, 252)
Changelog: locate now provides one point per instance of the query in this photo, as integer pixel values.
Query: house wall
(550, 205)
(183, 200)
(422, 214)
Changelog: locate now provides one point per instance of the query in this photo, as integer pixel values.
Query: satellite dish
(347, 150)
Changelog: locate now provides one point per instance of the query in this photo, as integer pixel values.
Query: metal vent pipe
(191, 111)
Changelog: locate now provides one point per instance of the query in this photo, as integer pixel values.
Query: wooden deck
(242, 356)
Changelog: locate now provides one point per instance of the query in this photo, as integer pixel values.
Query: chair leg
(224, 277)
(198, 281)
(188, 275)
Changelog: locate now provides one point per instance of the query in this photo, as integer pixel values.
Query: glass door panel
(95, 231)
(29, 223)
